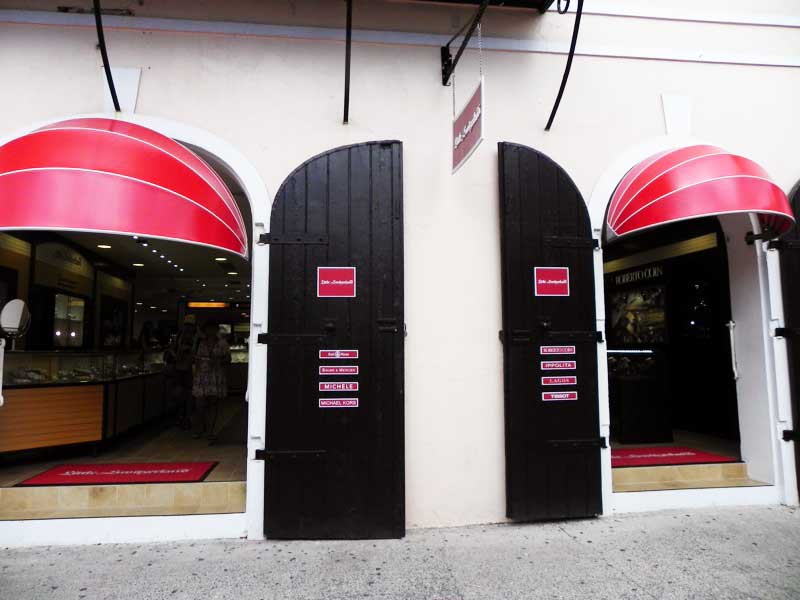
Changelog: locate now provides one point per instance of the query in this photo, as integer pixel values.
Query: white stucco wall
(279, 101)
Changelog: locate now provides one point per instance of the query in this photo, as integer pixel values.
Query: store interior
(97, 386)
(672, 388)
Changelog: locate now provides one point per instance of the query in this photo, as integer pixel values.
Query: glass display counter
(93, 397)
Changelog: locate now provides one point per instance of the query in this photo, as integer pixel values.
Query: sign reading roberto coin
(468, 128)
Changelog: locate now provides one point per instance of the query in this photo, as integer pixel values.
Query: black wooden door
(789, 247)
(334, 445)
(550, 344)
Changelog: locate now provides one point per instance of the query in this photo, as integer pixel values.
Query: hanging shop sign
(558, 365)
(338, 402)
(560, 380)
(338, 354)
(336, 282)
(559, 396)
(468, 128)
(550, 350)
(551, 281)
(343, 370)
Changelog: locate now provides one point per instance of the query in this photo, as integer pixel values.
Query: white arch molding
(774, 362)
(249, 524)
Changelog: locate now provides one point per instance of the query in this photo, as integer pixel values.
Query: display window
(68, 321)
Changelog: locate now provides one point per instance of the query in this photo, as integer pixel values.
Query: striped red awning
(105, 175)
(695, 181)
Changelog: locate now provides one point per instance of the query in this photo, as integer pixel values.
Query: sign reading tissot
(468, 128)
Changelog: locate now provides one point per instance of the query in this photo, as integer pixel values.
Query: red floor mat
(114, 473)
(663, 455)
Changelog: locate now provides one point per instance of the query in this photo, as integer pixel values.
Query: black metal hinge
(290, 338)
(751, 237)
(292, 238)
(783, 245)
(791, 435)
(565, 241)
(598, 442)
(786, 332)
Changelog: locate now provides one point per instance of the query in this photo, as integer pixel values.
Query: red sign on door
(559, 396)
(348, 370)
(555, 365)
(338, 354)
(468, 128)
(338, 386)
(556, 350)
(551, 281)
(338, 402)
(560, 380)
(336, 282)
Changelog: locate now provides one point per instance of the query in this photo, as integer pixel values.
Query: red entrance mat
(100, 474)
(663, 455)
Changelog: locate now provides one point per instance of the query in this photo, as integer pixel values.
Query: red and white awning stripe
(112, 176)
(691, 182)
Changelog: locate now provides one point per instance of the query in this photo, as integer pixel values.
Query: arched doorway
(755, 364)
(229, 163)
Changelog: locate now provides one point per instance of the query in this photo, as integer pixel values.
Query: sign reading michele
(468, 128)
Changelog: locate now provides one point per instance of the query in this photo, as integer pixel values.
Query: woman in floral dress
(210, 383)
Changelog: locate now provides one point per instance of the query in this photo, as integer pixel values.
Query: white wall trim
(631, 502)
(115, 530)
(251, 522)
(394, 38)
(693, 14)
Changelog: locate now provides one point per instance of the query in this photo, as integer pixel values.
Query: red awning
(696, 181)
(113, 176)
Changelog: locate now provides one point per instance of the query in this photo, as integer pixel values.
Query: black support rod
(347, 47)
(569, 64)
(101, 41)
(449, 63)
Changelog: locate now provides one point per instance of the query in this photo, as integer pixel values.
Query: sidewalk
(719, 553)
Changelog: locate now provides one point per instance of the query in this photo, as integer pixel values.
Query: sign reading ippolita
(468, 128)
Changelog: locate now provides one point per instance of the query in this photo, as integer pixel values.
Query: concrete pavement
(716, 553)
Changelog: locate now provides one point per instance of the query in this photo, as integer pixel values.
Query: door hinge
(290, 338)
(791, 435)
(290, 238)
(565, 241)
(598, 442)
(750, 237)
(269, 455)
(787, 332)
(783, 245)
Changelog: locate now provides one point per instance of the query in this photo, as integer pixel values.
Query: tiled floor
(223, 490)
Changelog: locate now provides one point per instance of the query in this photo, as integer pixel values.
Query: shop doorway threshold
(682, 477)
(126, 500)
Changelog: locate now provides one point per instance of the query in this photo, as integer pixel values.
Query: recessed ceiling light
(138, 264)
(162, 256)
(181, 270)
(232, 273)
(145, 244)
(138, 304)
(154, 250)
(163, 310)
(226, 285)
(153, 307)
(220, 259)
(169, 261)
(204, 285)
(103, 246)
(136, 237)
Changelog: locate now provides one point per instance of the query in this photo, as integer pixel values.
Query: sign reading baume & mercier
(468, 128)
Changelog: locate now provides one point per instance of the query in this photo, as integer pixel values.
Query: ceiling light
(181, 270)
(163, 310)
(232, 273)
(136, 237)
(153, 307)
(145, 244)
(58, 333)
(226, 285)
(138, 264)
(154, 250)
(220, 259)
(162, 256)
(168, 261)
(103, 246)
(138, 304)
(204, 285)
